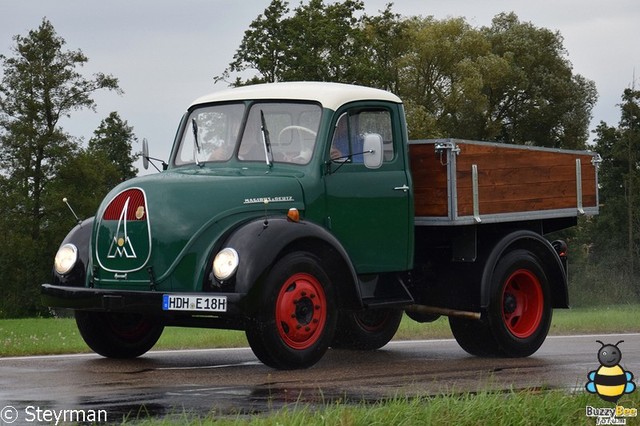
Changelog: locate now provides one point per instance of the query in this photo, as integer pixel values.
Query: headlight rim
(222, 272)
(65, 268)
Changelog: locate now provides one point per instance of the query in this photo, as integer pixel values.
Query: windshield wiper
(265, 140)
(194, 126)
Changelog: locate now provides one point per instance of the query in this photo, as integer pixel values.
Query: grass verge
(509, 408)
(41, 336)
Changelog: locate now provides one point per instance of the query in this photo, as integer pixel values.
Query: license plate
(176, 302)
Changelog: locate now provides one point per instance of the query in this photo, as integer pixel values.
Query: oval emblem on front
(123, 241)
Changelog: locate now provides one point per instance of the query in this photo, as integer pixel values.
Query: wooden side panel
(429, 181)
(521, 180)
(510, 179)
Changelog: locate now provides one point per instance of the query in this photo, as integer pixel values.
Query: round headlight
(225, 263)
(66, 258)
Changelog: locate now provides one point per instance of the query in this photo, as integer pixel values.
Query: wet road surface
(233, 381)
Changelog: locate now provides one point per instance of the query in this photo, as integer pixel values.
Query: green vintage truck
(301, 214)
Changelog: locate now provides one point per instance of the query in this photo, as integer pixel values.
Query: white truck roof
(330, 95)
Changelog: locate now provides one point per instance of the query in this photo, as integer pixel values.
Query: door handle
(403, 188)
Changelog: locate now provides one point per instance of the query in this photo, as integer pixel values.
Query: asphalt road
(232, 381)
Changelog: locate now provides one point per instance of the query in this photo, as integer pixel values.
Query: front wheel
(519, 312)
(118, 335)
(295, 323)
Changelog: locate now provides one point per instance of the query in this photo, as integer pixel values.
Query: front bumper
(139, 302)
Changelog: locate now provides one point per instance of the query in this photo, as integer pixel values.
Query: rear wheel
(366, 330)
(118, 335)
(297, 317)
(519, 312)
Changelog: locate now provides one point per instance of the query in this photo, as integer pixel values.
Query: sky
(166, 53)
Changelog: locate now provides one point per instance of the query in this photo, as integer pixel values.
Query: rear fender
(261, 242)
(543, 250)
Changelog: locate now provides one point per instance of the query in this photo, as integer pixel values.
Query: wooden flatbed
(460, 182)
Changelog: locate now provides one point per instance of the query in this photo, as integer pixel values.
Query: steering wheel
(298, 158)
(298, 128)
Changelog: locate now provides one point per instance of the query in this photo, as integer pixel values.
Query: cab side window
(353, 126)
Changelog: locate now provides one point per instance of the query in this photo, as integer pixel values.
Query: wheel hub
(301, 311)
(510, 303)
(304, 310)
(522, 303)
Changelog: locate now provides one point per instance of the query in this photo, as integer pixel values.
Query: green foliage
(263, 46)
(616, 232)
(40, 85)
(539, 100)
(114, 138)
(510, 82)
(310, 45)
(514, 407)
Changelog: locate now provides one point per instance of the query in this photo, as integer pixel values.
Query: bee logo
(610, 381)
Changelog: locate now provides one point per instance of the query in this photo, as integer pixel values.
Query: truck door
(369, 210)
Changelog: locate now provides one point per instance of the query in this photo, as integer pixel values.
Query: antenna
(64, 200)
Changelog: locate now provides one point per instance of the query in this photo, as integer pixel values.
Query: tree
(326, 42)
(432, 76)
(509, 82)
(115, 139)
(539, 101)
(385, 38)
(40, 85)
(319, 42)
(263, 46)
(619, 222)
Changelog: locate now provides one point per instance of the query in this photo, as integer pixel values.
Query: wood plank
(510, 179)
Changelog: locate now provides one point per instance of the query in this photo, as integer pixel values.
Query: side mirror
(145, 154)
(372, 148)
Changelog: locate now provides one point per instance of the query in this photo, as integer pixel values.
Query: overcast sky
(166, 53)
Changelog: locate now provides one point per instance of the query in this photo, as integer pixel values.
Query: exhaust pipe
(423, 309)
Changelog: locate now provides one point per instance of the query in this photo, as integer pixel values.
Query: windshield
(269, 132)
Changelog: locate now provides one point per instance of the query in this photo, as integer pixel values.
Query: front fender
(261, 242)
(80, 236)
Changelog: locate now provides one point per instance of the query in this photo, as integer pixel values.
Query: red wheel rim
(301, 311)
(522, 303)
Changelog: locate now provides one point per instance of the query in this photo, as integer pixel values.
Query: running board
(384, 290)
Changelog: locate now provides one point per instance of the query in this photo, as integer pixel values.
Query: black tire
(474, 337)
(519, 312)
(118, 335)
(366, 330)
(297, 318)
